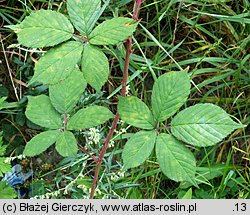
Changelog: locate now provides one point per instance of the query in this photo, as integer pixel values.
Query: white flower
(121, 174)
(98, 191)
(90, 143)
(121, 122)
(83, 166)
(111, 143)
(127, 89)
(19, 157)
(83, 187)
(105, 197)
(56, 193)
(7, 160)
(94, 135)
(115, 131)
(114, 177)
(47, 195)
(65, 192)
(123, 130)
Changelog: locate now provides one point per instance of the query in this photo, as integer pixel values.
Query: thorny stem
(123, 93)
(102, 153)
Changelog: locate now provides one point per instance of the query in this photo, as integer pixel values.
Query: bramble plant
(200, 125)
(75, 60)
(59, 68)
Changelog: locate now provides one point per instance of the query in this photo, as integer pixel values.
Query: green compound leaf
(44, 28)
(84, 14)
(175, 160)
(65, 94)
(112, 31)
(57, 63)
(41, 112)
(89, 117)
(41, 142)
(7, 192)
(95, 67)
(203, 125)
(66, 144)
(135, 112)
(4, 167)
(170, 92)
(138, 148)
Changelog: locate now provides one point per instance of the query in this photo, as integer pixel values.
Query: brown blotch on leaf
(127, 24)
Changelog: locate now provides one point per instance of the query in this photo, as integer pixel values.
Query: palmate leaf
(138, 148)
(43, 28)
(7, 192)
(203, 125)
(112, 31)
(66, 144)
(84, 14)
(2, 149)
(170, 92)
(89, 117)
(41, 112)
(57, 63)
(4, 167)
(95, 66)
(66, 93)
(175, 160)
(135, 112)
(41, 142)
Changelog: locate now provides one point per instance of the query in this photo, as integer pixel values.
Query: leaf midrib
(56, 29)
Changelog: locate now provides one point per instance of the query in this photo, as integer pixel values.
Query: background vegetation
(210, 38)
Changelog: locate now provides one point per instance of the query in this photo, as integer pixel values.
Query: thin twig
(10, 72)
(176, 24)
(20, 82)
(90, 155)
(123, 93)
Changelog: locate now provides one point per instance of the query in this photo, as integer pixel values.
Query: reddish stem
(102, 153)
(90, 155)
(137, 8)
(123, 93)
